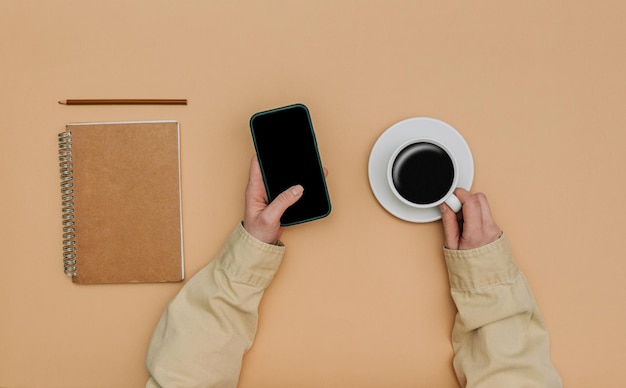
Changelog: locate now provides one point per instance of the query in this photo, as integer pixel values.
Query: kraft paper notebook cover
(121, 194)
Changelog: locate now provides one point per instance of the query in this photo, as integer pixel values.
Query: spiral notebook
(121, 202)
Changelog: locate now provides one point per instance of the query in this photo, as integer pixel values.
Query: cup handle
(454, 203)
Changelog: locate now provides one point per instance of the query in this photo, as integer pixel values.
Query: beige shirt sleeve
(203, 334)
(499, 336)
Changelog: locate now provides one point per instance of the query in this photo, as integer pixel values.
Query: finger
(462, 194)
(285, 199)
(255, 168)
(451, 229)
(478, 212)
(484, 207)
(255, 187)
(472, 208)
(491, 230)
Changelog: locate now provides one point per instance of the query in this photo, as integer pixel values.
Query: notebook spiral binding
(67, 201)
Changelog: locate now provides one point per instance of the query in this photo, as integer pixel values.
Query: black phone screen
(287, 152)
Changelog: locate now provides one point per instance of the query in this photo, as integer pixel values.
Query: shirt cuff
(248, 260)
(480, 268)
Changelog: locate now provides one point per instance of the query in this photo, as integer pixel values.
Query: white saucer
(396, 135)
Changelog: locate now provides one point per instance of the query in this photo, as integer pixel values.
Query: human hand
(262, 220)
(473, 226)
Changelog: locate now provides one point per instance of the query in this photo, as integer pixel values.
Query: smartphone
(287, 152)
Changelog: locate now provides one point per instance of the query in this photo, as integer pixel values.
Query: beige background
(537, 89)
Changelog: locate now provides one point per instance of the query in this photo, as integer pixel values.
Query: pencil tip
(62, 102)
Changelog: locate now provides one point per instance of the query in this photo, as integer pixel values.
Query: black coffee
(423, 173)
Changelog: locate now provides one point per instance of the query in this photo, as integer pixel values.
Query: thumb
(450, 227)
(285, 199)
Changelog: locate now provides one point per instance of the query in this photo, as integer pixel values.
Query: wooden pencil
(125, 102)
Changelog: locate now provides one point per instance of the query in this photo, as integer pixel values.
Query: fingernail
(297, 190)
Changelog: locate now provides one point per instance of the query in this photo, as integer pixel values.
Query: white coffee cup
(423, 173)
